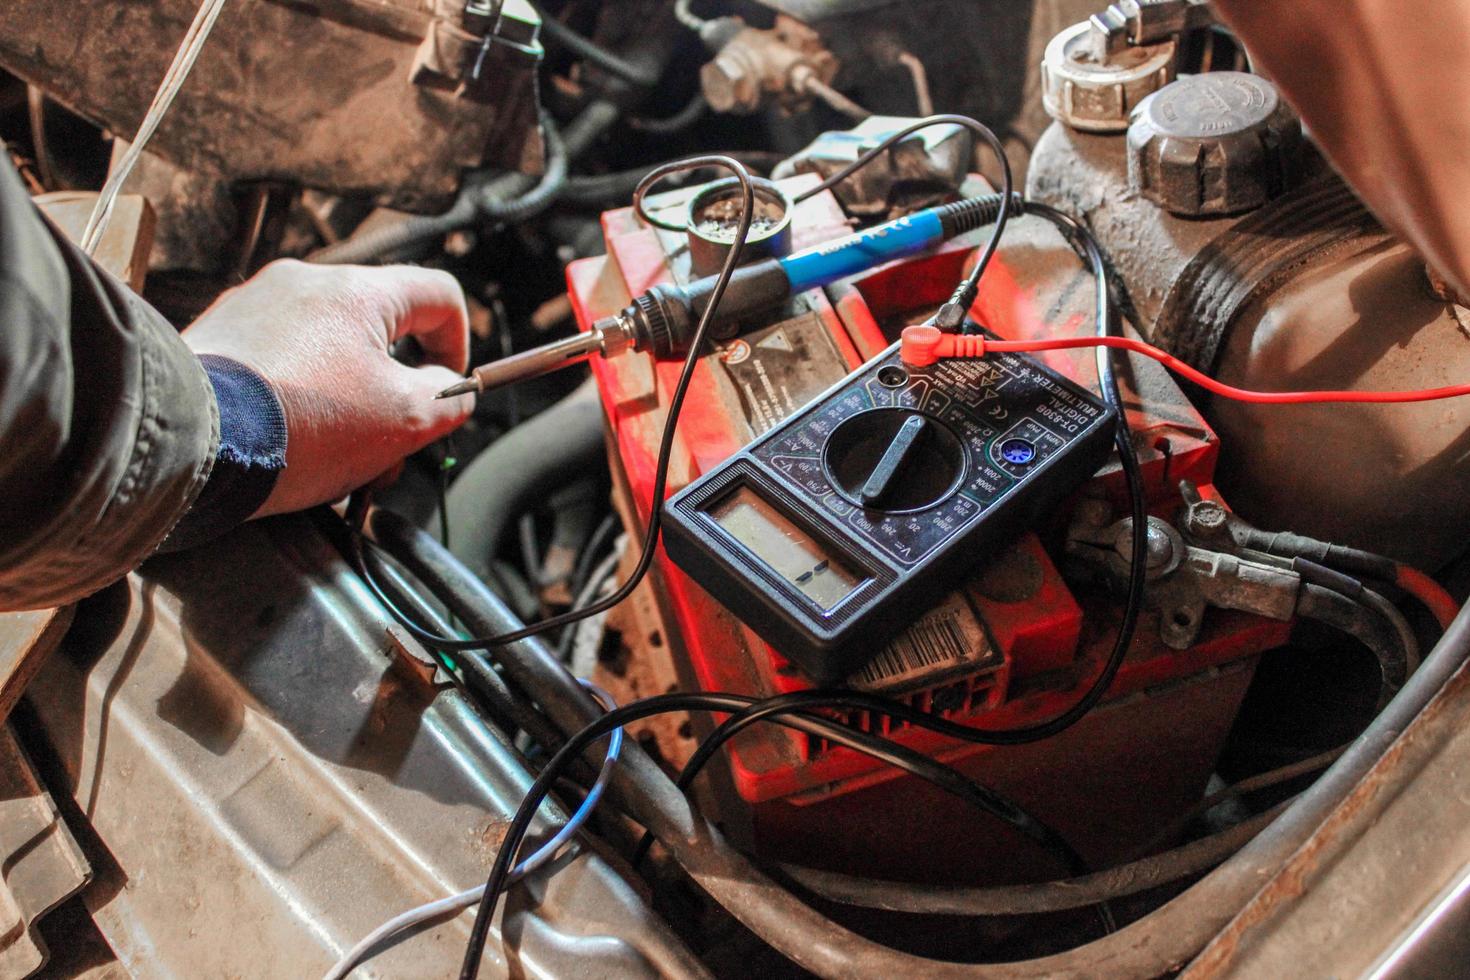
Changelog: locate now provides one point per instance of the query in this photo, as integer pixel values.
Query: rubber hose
(510, 710)
(538, 198)
(1181, 862)
(1149, 947)
(519, 470)
(1358, 621)
(588, 50)
(506, 197)
(692, 113)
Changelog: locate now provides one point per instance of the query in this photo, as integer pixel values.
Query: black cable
(952, 314)
(650, 541)
(888, 752)
(666, 444)
(777, 708)
(469, 670)
(692, 113)
(819, 945)
(614, 189)
(590, 51)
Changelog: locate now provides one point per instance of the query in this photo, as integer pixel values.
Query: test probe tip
(462, 388)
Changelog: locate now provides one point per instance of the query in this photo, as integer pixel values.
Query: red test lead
(925, 344)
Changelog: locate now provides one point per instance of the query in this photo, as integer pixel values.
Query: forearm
(1382, 88)
(108, 421)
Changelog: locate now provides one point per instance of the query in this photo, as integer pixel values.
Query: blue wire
(589, 802)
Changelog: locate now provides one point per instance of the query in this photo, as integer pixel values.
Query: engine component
(1287, 296)
(920, 170)
(785, 63)
(1214, 144)
(1097, 94)
(1138, 22)
(714, 222)
(827, 533)
(1015, 627)
(442, 91)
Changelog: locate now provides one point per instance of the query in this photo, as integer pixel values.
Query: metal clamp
(1140, 22)
(1184, 573)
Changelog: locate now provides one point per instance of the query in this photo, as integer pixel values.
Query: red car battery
(1012, 646)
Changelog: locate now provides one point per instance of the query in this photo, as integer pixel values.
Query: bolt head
(1207, 515)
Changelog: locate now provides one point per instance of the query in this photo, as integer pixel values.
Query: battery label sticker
(777, 370)
(946, 641)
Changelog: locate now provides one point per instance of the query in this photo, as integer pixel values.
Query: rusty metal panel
(272, 787)
(1369, 883)
(315, 92)
(40, 863)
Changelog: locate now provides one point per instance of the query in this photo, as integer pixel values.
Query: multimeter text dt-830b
(839, 527)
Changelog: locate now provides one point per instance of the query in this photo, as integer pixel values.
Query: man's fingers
(429, 306)
(388, 477)
(432, 418)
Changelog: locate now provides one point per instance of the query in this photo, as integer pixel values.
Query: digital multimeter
(836, 529)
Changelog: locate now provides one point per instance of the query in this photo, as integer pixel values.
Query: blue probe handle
(864, 250)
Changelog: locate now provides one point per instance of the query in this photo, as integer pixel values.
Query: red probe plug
(926, 344)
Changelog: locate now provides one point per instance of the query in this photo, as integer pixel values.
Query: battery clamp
(832, 531)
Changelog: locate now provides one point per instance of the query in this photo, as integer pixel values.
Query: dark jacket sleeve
(107, 420)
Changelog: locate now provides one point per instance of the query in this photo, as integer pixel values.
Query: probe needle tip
(463, 388)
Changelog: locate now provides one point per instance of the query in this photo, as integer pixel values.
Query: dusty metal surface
(272, 785)
(1368, 319)
(317, 92)
(1358, 887)
(40, 863)
(1305, 293)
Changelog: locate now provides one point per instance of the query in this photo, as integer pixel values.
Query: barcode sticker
(946, 641)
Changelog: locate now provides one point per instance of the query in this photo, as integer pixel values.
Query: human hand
(320, 337)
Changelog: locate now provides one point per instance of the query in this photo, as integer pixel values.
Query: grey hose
(1181, 862)
(519, 470)
(686, 16)
(1154, 945)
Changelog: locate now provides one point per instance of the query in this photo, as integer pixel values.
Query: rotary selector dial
(894, 459)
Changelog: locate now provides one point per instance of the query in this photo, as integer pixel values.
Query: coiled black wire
(785, 709)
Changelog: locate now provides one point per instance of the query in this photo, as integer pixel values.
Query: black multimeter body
(839, 527)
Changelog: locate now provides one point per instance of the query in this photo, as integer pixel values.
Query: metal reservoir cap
(1080, 91)
(1213, 144)
(714, 221)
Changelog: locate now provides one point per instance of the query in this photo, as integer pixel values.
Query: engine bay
(957, 487)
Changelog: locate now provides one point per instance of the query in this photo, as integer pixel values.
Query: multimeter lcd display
(784, 548)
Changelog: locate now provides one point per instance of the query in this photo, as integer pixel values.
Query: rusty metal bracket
(26, 639)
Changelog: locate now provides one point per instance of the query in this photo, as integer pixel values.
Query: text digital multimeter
(836, 529)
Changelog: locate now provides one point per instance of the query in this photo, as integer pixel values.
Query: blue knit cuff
(251, 454)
